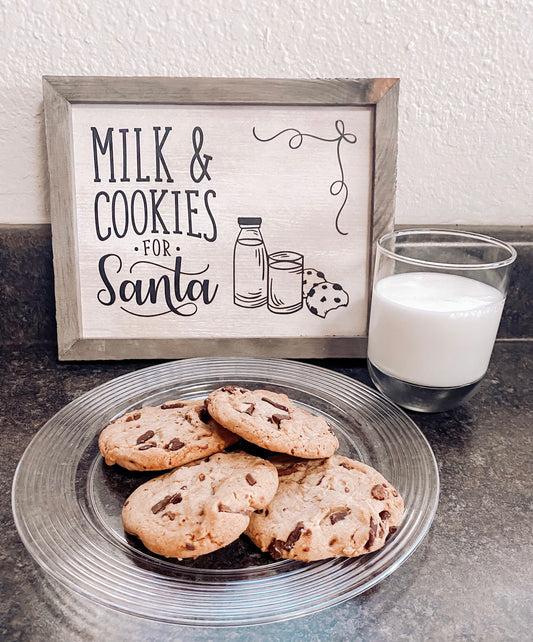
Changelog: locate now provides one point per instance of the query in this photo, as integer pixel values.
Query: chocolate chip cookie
(335, 507)
(163, 437)
(311, 278)
(271, 420)
(325, 297)
(199, 507)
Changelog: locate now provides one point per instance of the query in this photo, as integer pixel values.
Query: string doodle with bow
(295, 141)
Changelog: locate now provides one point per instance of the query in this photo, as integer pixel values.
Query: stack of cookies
(299, 500)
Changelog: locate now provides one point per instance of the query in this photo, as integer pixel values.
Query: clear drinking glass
(437, 301)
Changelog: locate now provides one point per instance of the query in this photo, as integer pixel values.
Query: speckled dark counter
(470, 579)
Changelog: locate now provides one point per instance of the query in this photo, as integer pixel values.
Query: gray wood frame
(60, 93)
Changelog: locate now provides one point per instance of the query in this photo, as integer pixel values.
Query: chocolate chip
(233, 389)
(324, 287)
(250, 409)
(172, 404)
(277, 419)
(250, 480)
(275, 404)
(336, 286)
(338, 516)
(294, 536)
(147, 446)
(189, 547)
(170, 515)
(371, 534)
(320, 480)
(163, 503)
(378, 492)
(337, 300)
(277, 546)
(392, 530)
(134, 417)
(174, 444)
(276, 549)
(313, 310)
(168, 499)
(222, 508)
(320, 275)
(288, 471)
(345, 465)
(323, 299)
(145, 436)
(201, 477)
(384, 515)
(204, 415)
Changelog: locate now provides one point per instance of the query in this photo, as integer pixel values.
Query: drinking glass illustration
(249, 265)
(285, 282)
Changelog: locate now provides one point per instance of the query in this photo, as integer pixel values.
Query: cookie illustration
(199, 507)
(326, 296)
(163, 437)
(335, 507)
(311, 277)
(272, 421)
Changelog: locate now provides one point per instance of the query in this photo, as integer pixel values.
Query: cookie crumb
(172, 404)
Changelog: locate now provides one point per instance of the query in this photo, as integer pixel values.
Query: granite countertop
(470, 579)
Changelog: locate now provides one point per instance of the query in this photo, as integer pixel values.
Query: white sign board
(214, 223)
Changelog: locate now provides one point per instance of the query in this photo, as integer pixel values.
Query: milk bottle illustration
(250, 265)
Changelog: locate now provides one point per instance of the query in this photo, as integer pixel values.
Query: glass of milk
(285, 282)
(437, 301)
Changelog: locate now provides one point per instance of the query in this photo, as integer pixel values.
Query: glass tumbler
(437, 301)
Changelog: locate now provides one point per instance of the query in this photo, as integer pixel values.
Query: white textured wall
(466, 117)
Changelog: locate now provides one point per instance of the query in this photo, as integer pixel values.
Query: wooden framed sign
(211, 216)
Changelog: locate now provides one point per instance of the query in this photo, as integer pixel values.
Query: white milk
(433, 329)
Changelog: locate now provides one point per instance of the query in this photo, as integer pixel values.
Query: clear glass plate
(67, 503)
